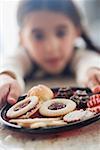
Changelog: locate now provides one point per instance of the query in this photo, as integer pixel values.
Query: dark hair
(66, 7)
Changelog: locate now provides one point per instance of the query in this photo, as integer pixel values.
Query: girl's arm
(17, 66)
(86, 65)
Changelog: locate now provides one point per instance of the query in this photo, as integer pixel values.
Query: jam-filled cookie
(57, 107)
(31, 112)
(22, 107)
(42, 92)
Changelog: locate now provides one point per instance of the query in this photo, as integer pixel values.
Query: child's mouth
(53, 62)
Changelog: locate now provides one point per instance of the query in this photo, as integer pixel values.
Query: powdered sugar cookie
(42, 92)
(22, 107)
(57, 107)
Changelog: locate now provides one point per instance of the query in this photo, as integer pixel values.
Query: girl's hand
(93, 79)
(9, 90)
(96, 89)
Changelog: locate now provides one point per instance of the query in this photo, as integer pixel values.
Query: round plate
(43, 130)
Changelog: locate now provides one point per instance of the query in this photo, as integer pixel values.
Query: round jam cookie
(31, 112)
(42, 92)
(22, 107)
(94, 100)
(95, 109)
(76, 115)
(57, 107)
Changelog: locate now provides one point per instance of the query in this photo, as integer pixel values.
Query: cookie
(31, 112)
(42, 92)
(48, 124)
(95, 109)
(80, 98)
(88, 114)
(38, 122)
(64, 93)
(57, 107)
(37, 125)
(22, 107)
(94, 100)
(74, 116)
(29, 121)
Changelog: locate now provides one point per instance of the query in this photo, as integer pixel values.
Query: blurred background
(9, 28)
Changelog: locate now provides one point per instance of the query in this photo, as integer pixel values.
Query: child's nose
(52, 45)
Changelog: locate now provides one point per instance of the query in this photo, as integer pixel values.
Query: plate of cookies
(45, 110)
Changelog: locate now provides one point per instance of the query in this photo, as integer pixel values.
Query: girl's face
(49, 38)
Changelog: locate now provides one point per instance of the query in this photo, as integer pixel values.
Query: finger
(13, 95)
(98, 78)
(96, 89)
(92, 83)
(4, 90)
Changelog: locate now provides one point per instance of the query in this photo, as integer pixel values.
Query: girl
(48, 30)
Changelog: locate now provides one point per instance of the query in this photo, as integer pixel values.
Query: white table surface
(86, 138)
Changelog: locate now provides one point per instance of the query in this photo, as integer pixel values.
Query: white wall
(8, 26)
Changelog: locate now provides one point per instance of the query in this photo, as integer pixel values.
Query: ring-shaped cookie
(69, 106)
(22, 107)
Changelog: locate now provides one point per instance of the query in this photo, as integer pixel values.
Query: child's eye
(61, 33)
(39, 36)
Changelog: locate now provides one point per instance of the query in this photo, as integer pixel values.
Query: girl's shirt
(21, 66)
